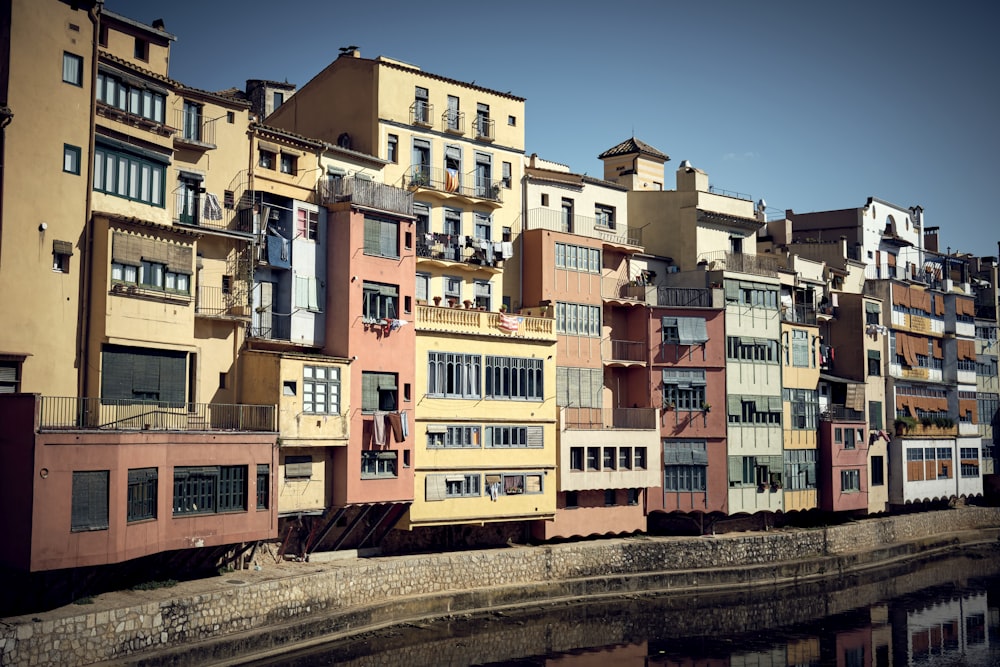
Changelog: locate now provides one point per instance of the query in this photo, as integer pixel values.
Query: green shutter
(373, 232)
(735, 470)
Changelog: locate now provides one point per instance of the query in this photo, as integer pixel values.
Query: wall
(173, 622)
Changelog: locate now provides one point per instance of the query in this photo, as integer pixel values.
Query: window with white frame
(522, 437)
(578, 319)
(514, 378)
(138, 100)
(484, 294)
(604, 216)
(72, 69)
(850, 480)
(307, 224)
(129, 175)
(483, 227)
(800, 469)
(577, 258)
(454, 374)
(684, 388)
(378, 464)
(453, 436)
(321, 390)
(805, 408)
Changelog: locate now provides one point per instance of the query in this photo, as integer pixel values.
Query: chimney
(158, 24)
(691, 179)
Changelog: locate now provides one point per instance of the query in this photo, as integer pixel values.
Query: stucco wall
(105, 634)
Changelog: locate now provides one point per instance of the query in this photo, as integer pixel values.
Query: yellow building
(485, 419)
(800, 377)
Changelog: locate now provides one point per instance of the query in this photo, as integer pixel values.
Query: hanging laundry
(378, 427)
(507, 249)
(405, 422)
(396, 424)
(212, 209)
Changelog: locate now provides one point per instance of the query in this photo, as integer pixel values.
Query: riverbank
(253, 611)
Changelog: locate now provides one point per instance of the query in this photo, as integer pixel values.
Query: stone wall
(364, 592)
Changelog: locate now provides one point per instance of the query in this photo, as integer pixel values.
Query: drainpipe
(6, 116)
(86, 278)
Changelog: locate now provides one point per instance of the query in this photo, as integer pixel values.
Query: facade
(984, 282)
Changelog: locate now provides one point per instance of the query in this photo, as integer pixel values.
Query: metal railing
(485, 128)
(603, 418)
(270, 326)
(842, 413)
(365, 192)
(799, 313)
(553, 220)
(729, 193)
(625, 350)
(759, 265)
(216, 301)
(193, 129)
(446, 247)
(453, 120)
(692, 297)
(420, 113)
(449, 180)
(91, 413)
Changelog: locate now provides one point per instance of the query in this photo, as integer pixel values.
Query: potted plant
(468, 304)
(669, 405)
(437, 301)
(452, 302)
(904, 424)
(706, 407)
(503, 307)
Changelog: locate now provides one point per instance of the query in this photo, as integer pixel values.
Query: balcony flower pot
(437, 301)
(452, 303)
(468, 304)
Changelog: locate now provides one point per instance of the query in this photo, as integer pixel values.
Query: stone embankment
(249, 611)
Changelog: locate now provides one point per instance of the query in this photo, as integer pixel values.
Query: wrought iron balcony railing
(92, 413)
(603, 418)
(450, 180)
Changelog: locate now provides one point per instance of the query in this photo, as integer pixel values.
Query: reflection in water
(943, 611)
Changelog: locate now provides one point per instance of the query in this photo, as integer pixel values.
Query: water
(935, 611)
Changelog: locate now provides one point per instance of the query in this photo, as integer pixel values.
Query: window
(381, 237)
(102, 38)
(578, 258)
(610, 455)
(758, 350)
(379, 464)
(392, 148)
(800, 469)
(805, 408)
(462, 486)
(969, 457)
(277, 99)
(604, 216)
(484, 126)
(440, 436)
(579, 387)
(72, 69)
(878, 471)
(875, 415)
(453, 288)
(129, 176)
(566, 210)
(639, 458)
(759, 471)
(132, 98)
(10, 375)
(423, 286)
(610, 497)
(192, 121)
(71, 159)
(849, 440)
(188, 196)
(624, 458)
(378, 391)
(514, 378)
(141, 50)
(210, 489)
(90, 500)
(151, 276)
(578, 319)
(684, 389)
(754, 410)
(685, 465)
(230, 117)
(421, 107)
(632, 497)
(751, 294)
(134, 373)
(545, 199)
(288, 164)
(307, 224)
(263, 486)
(511, 484)
(62, 251)
(572, 500)
(684, 330)
(298, 466)
(874, 362)
(453, 115)
(506, 174)
(141, 499)
(800, 348)
(850, 481)
(515, 437)
(872, 313)
(576, 458)
(321, 390)
(593, 458)
(265, 159)
(381, 301)
(483, 292)
(454, 375)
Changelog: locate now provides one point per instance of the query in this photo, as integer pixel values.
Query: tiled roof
(631, 146)
(224, 96)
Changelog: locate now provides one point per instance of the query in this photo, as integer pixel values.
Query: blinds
(132, 249)
(691, 330)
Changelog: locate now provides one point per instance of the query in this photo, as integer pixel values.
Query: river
(943, 610)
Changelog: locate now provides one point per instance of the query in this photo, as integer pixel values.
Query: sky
(810, 106)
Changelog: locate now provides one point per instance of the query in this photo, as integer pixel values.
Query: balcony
(195, 132)
(267, 325)
(72, 413)
(624, 351)
(589, 419)
(365, 192)
(453, 121)
(449, 181)
(221, 302)
(420, 113)
(841, 413)
(758, 265)
(484, 323)
(684, 297)
(204, 211)
(606, 230)
(478, 253)
(484, 128)
(799, 313)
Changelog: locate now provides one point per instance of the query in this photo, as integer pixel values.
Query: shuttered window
(210, 489)
(579, 387)
(142, 489)
(90, 500)
(10, 373)
(134, 373)
(381, 237)
(298, 466)
(515, 436)
(378, 391)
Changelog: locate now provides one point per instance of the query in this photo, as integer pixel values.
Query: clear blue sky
(810, 106)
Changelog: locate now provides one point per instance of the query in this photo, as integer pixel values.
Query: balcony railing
(758, 265)
(691, 297)
(453, 121)
(365, 192)
(624, 350)
(842, 413)
(485, 128)
(602, 418)
(219, 302)
(447, 247)
(271, 326)
(449, 180)
(420, 113)
(206, 210)
(465, 320)
(799, 313)
(193, 129)
(73, 413)
(554, 220)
